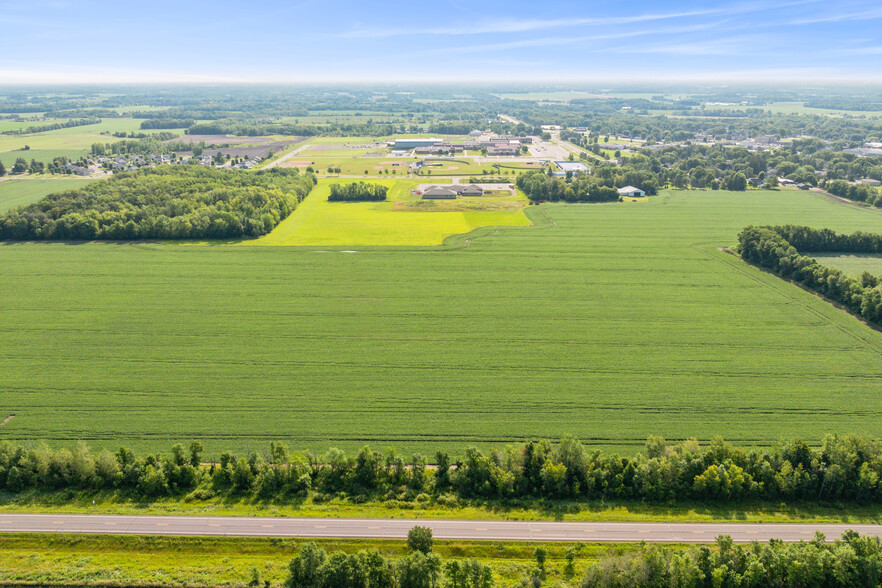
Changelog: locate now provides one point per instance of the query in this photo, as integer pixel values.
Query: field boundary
(816, 312)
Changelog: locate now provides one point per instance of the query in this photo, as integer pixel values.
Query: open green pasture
(72, 137)
(18, 192)
(610, 322)
(851, 263)
(797, 108)
(45, 155)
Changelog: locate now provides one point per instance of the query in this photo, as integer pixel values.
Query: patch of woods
(358, 192)
(541, 188)
(313, 567)
(842, 469)
(856, 192)
(780, 250)
(181, 202)
(850, 561)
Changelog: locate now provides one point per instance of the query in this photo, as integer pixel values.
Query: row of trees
(54, 126)
(843, 469)
(312, 567)
(772, 248)
(181, 202)
(357, 192)
(856, 192)
(540, 187)
(852, 561)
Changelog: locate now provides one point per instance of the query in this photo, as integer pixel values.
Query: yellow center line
(698, 532)
(321, 526)
(267, 526)
(162, 524)
(109, 523)
(375, 528)
(213, 525)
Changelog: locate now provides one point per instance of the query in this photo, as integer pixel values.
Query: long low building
(408, 144)
(449, 192)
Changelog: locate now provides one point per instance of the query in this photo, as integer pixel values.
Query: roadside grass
(609, 510)
(317, 222)
(21, 191)
(122, 560)
(850, 263)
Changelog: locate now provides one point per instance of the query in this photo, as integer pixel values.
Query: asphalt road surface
(397, 529)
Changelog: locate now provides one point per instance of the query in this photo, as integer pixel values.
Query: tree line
(312, 567)
(167, 123)
(357, 192)
(181, 202)
(53, 126)
(856, 192)
(843, 469)
(540, 187)
(850, 561)
(778, 249)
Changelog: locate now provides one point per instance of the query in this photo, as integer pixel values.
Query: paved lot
(396, 529)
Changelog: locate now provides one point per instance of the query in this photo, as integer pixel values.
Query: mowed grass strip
(609, 322)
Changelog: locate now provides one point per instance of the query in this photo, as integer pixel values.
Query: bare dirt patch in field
(258, 151)
(7, 419)
(458, 205)
(221, 139)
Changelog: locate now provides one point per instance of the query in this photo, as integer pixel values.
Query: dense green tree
(420, 539)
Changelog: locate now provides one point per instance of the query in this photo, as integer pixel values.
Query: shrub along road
(398, 528)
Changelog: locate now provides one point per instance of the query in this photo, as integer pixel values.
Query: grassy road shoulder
(524, 510)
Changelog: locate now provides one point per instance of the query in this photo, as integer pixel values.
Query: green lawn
(850, 263)
(610, 322)
(21, 191)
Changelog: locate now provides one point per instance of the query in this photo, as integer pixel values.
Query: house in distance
(632, 192)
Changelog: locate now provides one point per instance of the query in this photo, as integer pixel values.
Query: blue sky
(639, 40)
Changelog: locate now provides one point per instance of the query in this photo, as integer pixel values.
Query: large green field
(851, 263)
(609, 322)
(18, 192)
(403, 219)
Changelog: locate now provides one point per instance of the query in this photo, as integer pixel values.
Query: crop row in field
(609, 322)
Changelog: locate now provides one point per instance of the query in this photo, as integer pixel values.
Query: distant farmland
(609, 322)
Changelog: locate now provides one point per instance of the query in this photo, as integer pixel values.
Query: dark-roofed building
(439, 193)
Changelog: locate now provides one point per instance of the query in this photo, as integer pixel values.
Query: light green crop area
(850, 263)
(18, 192)
(609, 322)
(317, 222)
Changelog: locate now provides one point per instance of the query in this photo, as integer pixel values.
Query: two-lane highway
(441, 529)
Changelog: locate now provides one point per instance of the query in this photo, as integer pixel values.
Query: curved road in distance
(589, 532)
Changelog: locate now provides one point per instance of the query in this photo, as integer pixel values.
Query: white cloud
(873, 14)
(526, 25)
